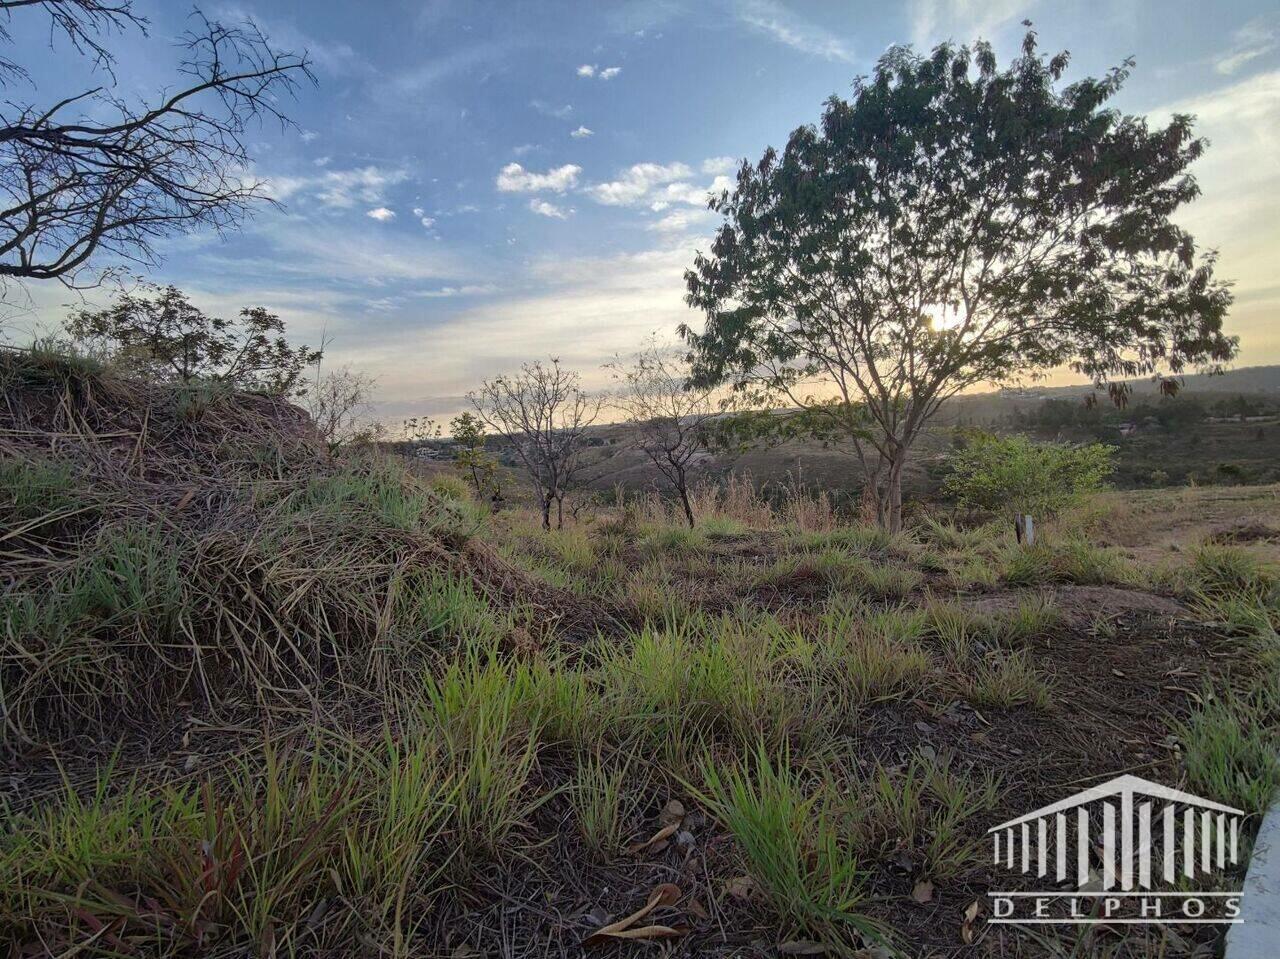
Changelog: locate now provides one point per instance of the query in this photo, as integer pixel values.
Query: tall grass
(245, 864)
(793, 845)
(924, 809)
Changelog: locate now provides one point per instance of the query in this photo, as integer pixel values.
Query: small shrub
(1014, 473)
(450, 487)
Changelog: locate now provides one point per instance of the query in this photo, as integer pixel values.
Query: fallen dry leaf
(658, 840)
(741, 887)
(667, 894)
(802, 947)
(644, 932)
(669, 820)
(970, 917)
(923, 892)
(673, 811)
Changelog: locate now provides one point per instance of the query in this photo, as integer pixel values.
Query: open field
(257, 699)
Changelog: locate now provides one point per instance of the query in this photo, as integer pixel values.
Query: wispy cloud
(681, 221)
(719, 165)
(339, 188)
(551, 110)
(772, 19)
(436, 68)
(513, 178)
(933, 21)
(544, 208)
(582, 133)
(1255, 39)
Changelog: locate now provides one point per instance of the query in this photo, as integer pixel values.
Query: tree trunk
(688, 507)
(682, 487)
(546, 512)
(889, 499)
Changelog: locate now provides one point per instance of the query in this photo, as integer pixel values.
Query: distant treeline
(1170, 412)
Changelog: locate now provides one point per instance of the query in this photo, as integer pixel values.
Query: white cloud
(524, 148)
(322, 161)
(680, 221)
(695, 195)
(582, 133)
(776, 21)
(513, 178)
(381, 214)
(543, 208)
(635, 183)
(1255, 39)
(657, 186)
(933, 21)
(472, 289)
(551, 110)
(339, 188)
(308, 135)
(421, 214)
(716, 165)
(593, 70)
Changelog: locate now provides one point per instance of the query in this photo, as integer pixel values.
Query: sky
(476, 184)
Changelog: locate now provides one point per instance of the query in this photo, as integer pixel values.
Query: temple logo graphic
(1128, 850)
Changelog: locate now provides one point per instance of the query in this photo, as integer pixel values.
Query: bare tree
(339, 403)
(544, 412)
(96, 173)
(670, 419)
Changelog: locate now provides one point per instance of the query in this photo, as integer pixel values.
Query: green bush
(997, 473)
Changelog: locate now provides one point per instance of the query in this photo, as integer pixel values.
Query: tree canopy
(953, 224)
(159, 334)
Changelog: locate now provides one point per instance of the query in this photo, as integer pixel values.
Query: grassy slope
(461, 732)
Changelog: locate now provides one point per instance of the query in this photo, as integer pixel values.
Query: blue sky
(474, 184)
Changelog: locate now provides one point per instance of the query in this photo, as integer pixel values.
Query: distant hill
(1202, 451)
(977, 409)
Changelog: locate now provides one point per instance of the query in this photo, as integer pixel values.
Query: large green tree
(953, 224)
